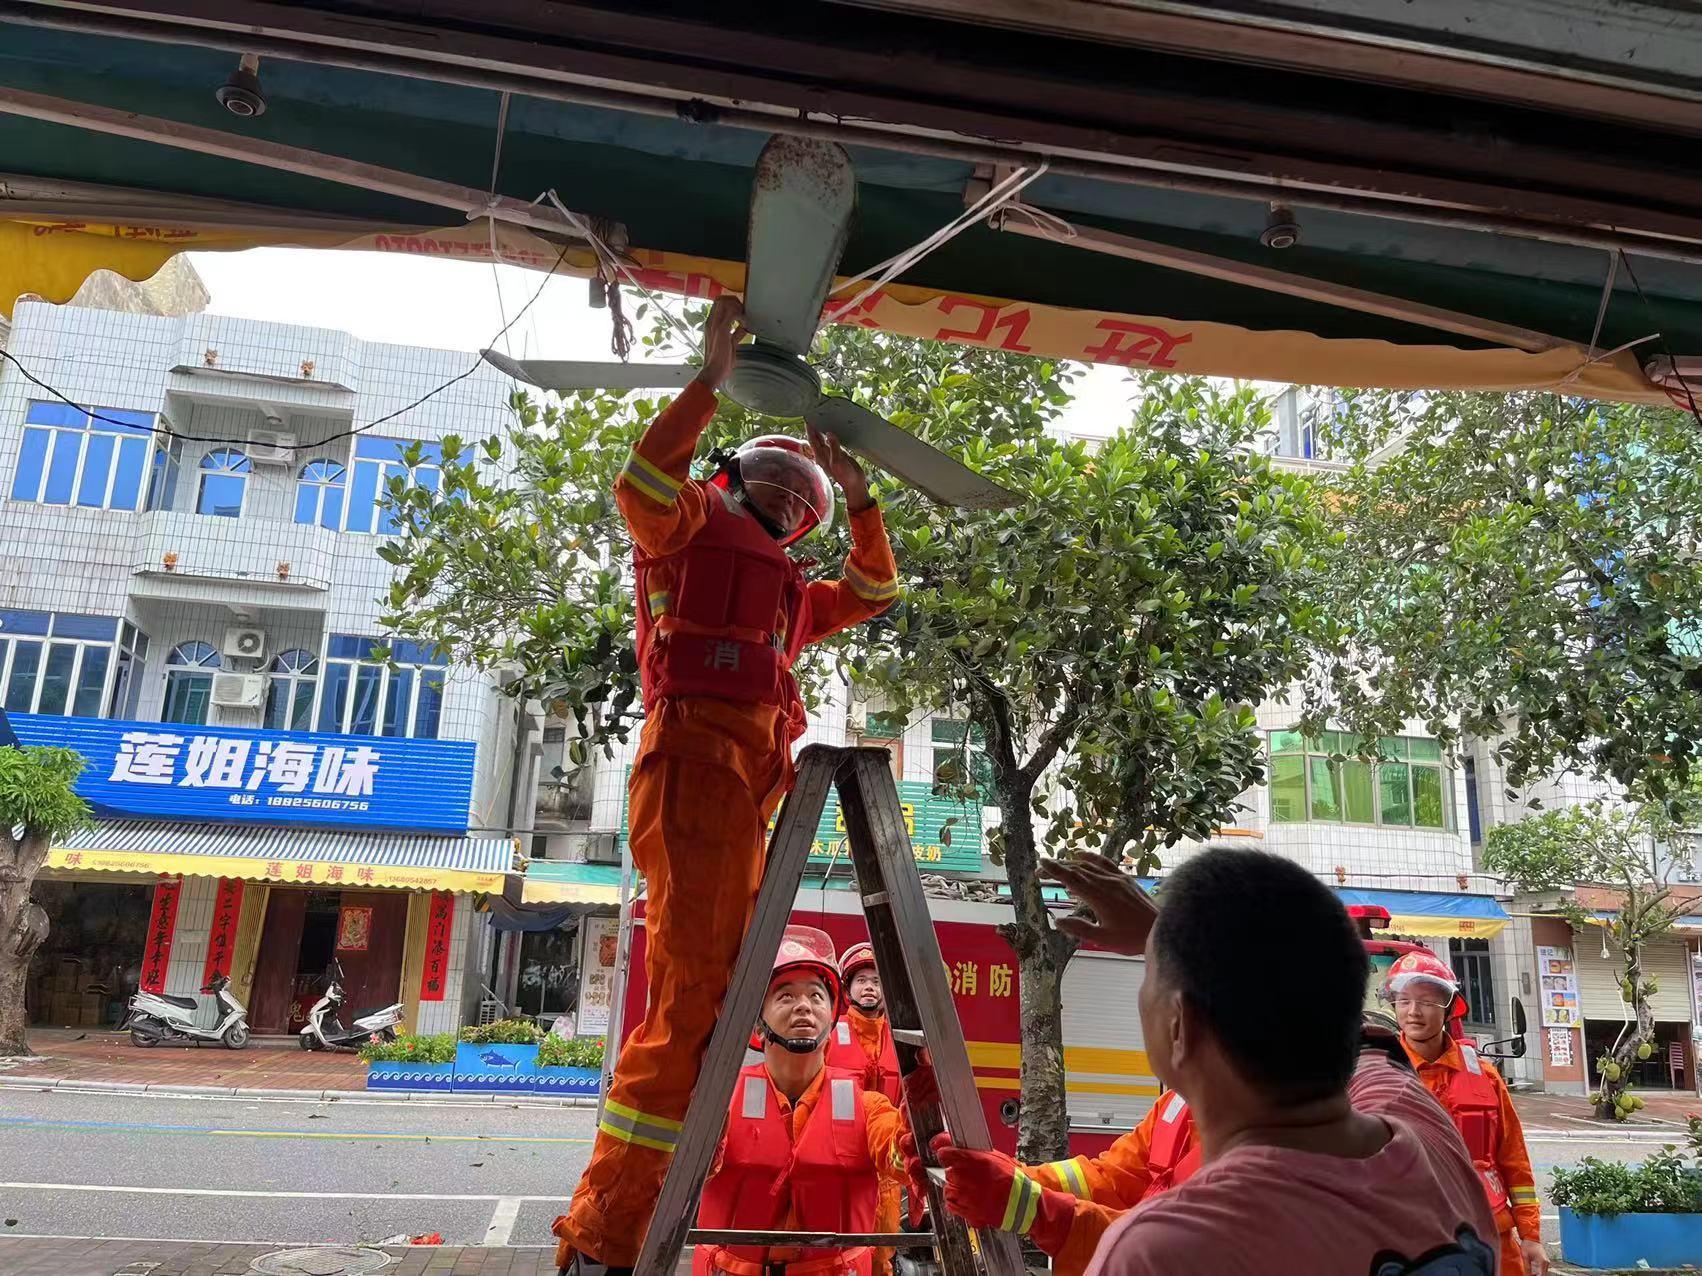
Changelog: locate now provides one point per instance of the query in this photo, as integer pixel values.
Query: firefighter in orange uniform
(862, 1042)
(722, 614)
(1426, 997)
(806, 1147)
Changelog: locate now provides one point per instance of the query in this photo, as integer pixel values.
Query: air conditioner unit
(239, 690)
(250, 644)
(600, 848)
(271, 447)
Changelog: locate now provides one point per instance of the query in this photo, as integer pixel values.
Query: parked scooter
(325, 1031)
(214, 1016)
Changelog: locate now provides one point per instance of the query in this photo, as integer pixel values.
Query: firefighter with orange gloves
(862, 1042)
(722, 614)
(807, 1148)
(1426, 998)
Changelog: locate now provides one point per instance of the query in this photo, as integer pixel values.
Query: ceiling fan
(801, 205)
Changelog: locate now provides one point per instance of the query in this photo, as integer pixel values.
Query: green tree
(37, 807)
(1108, 636)
(1525, 569)
(1633, 850)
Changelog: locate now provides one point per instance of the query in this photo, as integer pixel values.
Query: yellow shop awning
(1435, 913)
(307, 857)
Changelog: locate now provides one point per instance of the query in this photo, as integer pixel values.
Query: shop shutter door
(1598, 980)
(1104, 1053)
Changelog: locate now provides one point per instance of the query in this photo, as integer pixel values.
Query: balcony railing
(253, 551)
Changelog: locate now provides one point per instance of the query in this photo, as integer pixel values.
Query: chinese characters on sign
(1559, 989)
(440, 921)
(162, 924)
(221, 940)
(1560, 1047)
(354, 929)
(599, 941)
(240, 768)
(965, 979)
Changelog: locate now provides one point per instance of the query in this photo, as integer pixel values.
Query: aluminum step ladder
(919, 1005)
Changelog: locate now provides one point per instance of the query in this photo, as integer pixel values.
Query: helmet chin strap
(729, 466)
(796, 1045)
(874, 1009)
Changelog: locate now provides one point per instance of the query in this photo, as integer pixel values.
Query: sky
(460, 305)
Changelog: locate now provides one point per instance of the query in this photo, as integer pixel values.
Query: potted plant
(411, 1062)
(498, 1056)
(569, 1065)
(1629, 1216)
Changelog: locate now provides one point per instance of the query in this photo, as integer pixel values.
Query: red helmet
(1425, 967)
(857, 957)
(804, 948)
(776, 477)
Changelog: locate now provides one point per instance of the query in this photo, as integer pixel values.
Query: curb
(66, 1085)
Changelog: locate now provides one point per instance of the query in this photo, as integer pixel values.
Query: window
(224, 482)
(127, 682)
(162, 475)
(1407, 788)
(189, 683)
(952, 752)
(1470, 960)
(319, 494)
(1474, 818)
(294, 677)
(55, 663)
(72, 457)
(364, 694)
(377, 461)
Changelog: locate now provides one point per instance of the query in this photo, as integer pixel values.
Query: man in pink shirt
(1323, 1154)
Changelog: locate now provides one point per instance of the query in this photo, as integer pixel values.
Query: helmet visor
(790, 490)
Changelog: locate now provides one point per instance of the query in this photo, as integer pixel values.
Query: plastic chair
(1675, 1064)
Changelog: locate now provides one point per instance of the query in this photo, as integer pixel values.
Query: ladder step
(910, 1037)
(808, 1240)
(874, 899)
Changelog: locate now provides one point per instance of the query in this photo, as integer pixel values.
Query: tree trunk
(23, 926)
(1624, 1053)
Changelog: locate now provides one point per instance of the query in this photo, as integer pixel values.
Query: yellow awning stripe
(547, 892)
(280, 871)
(1446, 927)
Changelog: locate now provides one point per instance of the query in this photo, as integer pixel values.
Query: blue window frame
(72, 457)
(59, 664)
(377, 461)
(367, 694)
(224, 483)
(320, 492)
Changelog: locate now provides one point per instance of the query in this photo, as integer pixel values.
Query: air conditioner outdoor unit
(600, 848)
(239, 690)
(250, 644)
(271, 447)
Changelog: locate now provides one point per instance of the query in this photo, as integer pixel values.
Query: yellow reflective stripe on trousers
(1024, 1203)
(630, 1126)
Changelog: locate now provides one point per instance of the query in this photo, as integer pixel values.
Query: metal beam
(1282, 281)
(465, 200)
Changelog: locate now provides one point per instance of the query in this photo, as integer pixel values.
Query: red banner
(162, 924)
(435, 975)
(227, 909)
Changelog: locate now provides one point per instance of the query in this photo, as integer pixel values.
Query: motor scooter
(153, 1017)
(324, 1030)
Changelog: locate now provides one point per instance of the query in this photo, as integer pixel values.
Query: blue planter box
(567, 1081)
(1621, 1240)
(410, 1076)
(509, 1069)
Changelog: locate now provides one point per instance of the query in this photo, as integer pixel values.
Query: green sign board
(944, 834)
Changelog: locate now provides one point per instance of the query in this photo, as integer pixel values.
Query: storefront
(376, 874)
(558, 947)
(1669, 962)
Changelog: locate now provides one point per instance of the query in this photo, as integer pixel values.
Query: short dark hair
(1214, 912)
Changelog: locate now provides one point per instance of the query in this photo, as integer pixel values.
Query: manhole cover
(321, 1260)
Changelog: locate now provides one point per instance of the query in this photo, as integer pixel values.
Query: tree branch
(1056, 736)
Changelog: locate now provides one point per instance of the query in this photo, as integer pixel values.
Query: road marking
(294, 1196)
(502, 1220)
(36, 1123)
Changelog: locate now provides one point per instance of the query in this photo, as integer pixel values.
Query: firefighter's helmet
(777, 479)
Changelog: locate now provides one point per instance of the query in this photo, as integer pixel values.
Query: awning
(1434, 912)
(406, 861)
(1687, 924)
(560, 882)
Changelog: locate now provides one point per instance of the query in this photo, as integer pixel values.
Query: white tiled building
(199, 555)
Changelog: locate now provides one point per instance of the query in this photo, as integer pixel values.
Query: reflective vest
(826, 1181)
(1472, 1100)
(1175, 1153)
(845, 1050)
(709, 627)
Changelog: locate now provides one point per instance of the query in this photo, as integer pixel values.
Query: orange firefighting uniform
(863, 1043)
(1494, 1137)
(1119, 1178)
(813, 1182)
(708, 775)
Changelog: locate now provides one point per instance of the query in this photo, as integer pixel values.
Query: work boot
(578, 1264)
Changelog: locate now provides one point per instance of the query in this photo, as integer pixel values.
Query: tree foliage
(1522, 568)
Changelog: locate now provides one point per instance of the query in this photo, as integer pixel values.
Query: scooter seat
(188, 1003)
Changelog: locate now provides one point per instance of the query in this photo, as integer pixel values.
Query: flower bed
(1630, 1216)
(512, 1056)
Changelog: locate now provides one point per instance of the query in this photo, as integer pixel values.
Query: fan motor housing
(772, 381)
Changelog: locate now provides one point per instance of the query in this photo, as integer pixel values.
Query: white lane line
(502, 1221)
(297, 1196)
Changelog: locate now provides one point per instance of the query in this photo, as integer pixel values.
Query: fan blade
(939, 477)
(563, 375)
(801, 205)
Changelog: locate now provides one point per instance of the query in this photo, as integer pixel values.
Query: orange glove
(989, 1190)
(922, 1087)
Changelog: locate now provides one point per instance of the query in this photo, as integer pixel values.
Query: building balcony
(287, 558)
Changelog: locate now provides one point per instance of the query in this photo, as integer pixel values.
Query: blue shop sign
(168, 771)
